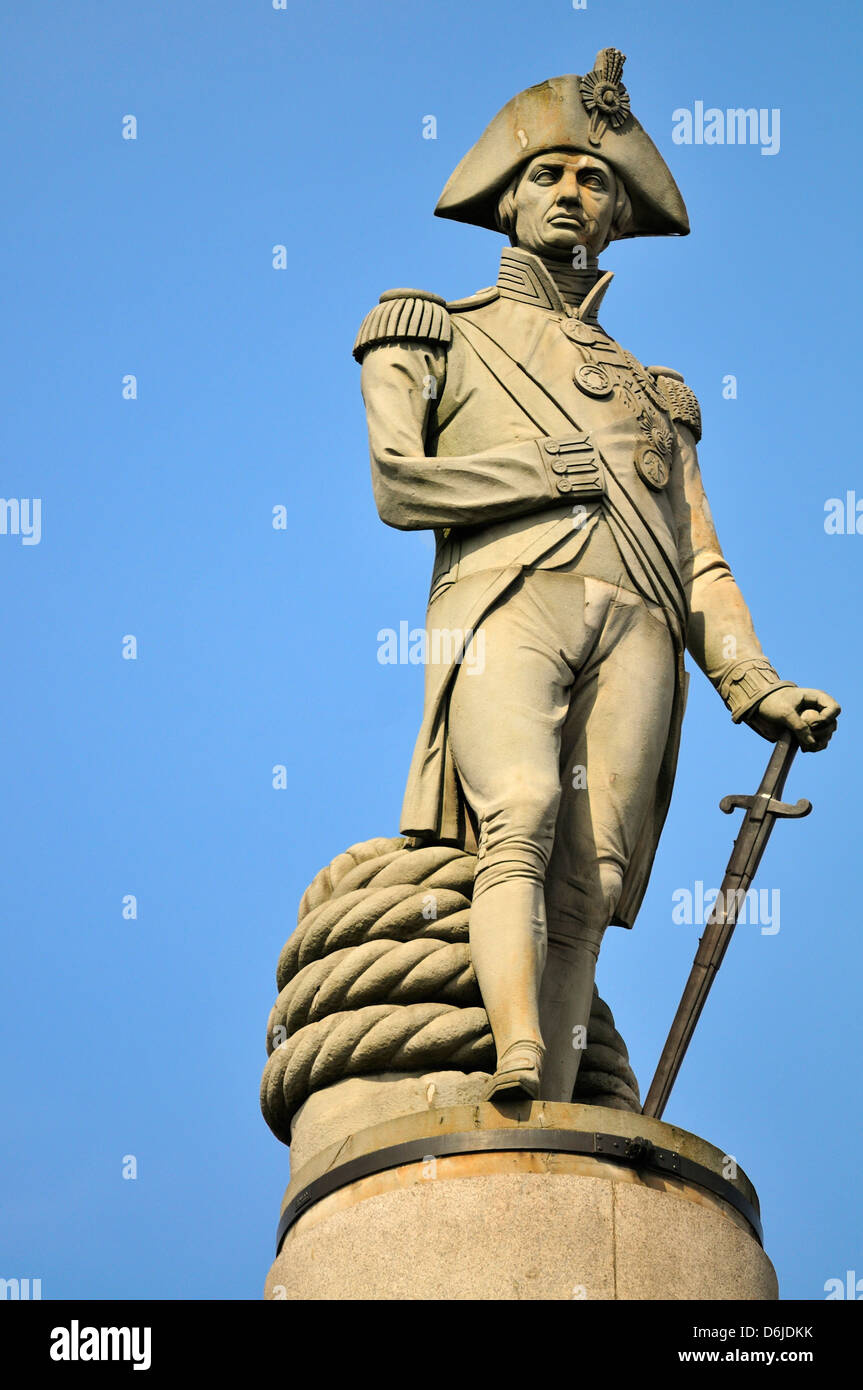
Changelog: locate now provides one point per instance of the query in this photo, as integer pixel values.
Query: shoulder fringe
(404, 316)
(683, 404)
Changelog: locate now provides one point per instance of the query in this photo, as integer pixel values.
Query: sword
(762, 811)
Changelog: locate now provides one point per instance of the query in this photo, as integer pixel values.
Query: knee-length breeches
(558, 727)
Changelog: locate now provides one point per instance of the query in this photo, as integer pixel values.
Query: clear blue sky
(255, 647)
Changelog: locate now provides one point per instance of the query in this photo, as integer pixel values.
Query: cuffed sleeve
(746, 684)
(415, 491)
(720, 634)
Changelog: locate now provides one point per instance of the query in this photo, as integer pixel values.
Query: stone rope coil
(377, 977)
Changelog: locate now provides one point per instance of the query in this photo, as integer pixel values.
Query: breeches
(558, 736)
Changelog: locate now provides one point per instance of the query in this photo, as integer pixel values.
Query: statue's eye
(545, 176)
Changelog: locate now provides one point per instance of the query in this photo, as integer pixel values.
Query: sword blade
(742, 867)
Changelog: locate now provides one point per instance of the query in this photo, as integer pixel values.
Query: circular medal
(650, 465)
(593, 379)
(578, 331)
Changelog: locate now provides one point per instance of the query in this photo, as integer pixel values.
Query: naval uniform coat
(479, 431)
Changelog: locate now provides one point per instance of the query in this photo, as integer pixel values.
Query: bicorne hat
(590, 114)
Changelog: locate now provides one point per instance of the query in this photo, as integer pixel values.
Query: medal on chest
(606, 370)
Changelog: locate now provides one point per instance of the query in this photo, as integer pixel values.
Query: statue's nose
(568, 190)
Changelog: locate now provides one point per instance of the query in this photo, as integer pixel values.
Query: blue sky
(152, 777)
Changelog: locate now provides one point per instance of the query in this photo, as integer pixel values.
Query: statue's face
(564, 199)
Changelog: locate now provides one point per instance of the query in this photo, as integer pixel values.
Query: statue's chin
(558, 248)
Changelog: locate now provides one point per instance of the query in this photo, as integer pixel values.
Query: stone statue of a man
(574, 538)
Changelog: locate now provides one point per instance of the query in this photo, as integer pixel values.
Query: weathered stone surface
(670, 1249)
(503, 1236)
(364, 1114)
(329, 1117)
(521, 1234)
(374, 983)
(512, 1224)
(576, 562)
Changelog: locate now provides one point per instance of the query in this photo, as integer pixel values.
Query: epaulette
(474, 301)
(682, 401)
(404, 316)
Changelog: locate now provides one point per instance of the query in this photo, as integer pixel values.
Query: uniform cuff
(573, 466)
(746, 684)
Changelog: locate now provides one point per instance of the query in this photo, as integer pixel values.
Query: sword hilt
(772, 807)
(766, 801)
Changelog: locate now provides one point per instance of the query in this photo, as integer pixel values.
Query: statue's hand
(809, 714)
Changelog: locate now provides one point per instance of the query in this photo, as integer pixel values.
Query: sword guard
(782, 809)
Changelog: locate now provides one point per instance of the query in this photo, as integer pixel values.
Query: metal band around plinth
(639, 1153)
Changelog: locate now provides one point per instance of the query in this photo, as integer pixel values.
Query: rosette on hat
(590, 114)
